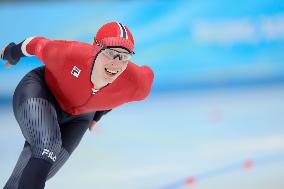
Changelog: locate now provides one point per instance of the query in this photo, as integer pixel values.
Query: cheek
(125, 66)
(102, 58)
(101, 61)
(98, 69)
(97, 66)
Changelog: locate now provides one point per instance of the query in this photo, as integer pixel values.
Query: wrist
(13, 53)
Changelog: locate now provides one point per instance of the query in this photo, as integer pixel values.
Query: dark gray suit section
(48, 130)
(38, 122)
(13, 181)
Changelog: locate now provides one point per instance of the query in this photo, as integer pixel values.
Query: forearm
(29, 47)
(12, 53)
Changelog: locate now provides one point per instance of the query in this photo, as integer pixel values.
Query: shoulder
(142, 79)
(137, 71)
(76, 46)
(78, 51)
(68, 45)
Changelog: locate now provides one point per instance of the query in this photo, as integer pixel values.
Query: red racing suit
(74, 91)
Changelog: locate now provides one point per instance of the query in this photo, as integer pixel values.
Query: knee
(47, 146)
(47, 150)
(61, 159)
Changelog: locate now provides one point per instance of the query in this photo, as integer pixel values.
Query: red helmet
(115, 34)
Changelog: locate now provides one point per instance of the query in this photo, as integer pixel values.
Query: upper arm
(50, 52)
(33, 46)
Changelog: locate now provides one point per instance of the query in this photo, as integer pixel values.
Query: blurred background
(214, 118)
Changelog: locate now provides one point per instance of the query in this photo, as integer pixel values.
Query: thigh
(38, 123)
(32, 85)
(36, 114)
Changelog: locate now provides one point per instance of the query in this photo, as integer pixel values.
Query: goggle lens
(111, 53)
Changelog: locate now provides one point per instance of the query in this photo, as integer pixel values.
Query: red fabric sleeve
(145, 80)
(35, 46)
(50, 52)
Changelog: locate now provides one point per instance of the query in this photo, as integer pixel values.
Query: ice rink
(171, 137)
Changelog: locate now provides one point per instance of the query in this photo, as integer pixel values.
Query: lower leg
(35, 174)
(13, 181)
(61, 159)
(23, 160)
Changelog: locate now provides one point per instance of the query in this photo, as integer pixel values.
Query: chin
(108, 80)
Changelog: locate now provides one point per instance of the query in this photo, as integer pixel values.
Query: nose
(116, 63)
(117, 56)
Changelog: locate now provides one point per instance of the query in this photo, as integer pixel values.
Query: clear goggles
(113, 54)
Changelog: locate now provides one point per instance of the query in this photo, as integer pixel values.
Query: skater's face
(109, 64)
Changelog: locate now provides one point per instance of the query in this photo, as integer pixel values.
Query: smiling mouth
(110, 72)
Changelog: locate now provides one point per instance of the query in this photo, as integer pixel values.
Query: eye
(123, 56)
(126, 56)
(111, 53)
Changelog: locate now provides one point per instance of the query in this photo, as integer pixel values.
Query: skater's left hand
(92, 126)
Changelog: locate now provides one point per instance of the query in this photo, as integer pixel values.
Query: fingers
(2, 53)
(8, 65)
(92, 126)
(92, 129)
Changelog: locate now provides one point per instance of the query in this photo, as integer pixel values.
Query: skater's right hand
(7, 65)
(9, 55)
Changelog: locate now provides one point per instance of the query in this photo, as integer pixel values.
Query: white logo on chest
(76, 71)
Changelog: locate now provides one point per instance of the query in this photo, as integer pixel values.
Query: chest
(110, 97)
